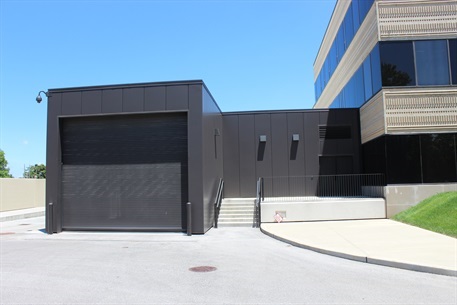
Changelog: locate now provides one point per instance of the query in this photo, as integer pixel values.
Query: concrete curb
(21, 214)
(375, 261)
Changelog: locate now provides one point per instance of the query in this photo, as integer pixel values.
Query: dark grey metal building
(129, 157)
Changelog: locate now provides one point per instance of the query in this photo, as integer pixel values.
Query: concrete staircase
(236, 212)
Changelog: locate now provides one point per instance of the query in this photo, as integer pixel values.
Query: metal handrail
(218, 201)
(317, 187)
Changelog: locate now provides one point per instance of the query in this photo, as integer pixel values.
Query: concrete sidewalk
(21, 214)
(380, 241)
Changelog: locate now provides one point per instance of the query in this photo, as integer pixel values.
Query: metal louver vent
(335, 132)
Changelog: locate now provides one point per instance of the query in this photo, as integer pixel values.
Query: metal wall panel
(195, 155)
(178, 97)
(311, 139)
(263, 149)
(279, 145)
(247, 149)
(53, 164)
(296, 149)
(112, 101)
(71, 103)
(133, 99)
(155, 98)
(231, 156)
(91, 102)
(245, 159)
(212, 156)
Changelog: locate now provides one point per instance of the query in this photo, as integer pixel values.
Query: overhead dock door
(124, 172)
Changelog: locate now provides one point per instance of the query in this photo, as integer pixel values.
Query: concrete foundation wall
(402, 197)
(16, 194)
(338, 209)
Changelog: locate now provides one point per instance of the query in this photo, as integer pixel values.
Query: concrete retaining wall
(332, 209)
(16, 194)
(401, 197)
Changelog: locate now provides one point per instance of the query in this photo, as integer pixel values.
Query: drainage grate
(6, 233)
(203, 269)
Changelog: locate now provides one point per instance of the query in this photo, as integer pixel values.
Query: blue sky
(252, 55)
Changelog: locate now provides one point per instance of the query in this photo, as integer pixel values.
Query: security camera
(39, 99)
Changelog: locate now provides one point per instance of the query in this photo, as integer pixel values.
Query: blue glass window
(359, 90)
(397, 63)
(364, 7)
(355, 15)
(349, 94)
(340, 44)
(432, 62)
(367, 78)
(453, 57)
(332, 58)
(375, 69)
(348, 29)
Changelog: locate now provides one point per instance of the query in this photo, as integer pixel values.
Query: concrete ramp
(324, 209)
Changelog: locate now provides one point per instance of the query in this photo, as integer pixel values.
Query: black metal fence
(322, 187)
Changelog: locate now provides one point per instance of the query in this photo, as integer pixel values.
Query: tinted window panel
(453, 57)
(364, 7)
(438, 158)
(359, 87)
(403, 159)
(348, 28)
(374, 156)
(375, 69)
(397, 63)
(332, 56)
(367, 78)
(349, 94)
(355, 15)
(340, 44)
(432, 62)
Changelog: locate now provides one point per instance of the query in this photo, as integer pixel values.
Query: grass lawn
(437, 213)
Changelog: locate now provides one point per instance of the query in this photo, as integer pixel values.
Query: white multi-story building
(397, 62)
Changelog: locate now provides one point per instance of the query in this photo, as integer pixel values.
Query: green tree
(37, 171)
(4, 170)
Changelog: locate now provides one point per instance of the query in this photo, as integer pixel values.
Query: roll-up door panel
(124, 172)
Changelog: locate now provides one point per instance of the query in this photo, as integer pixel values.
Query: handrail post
(262, 190)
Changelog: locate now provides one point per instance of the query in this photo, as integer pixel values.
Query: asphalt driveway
(152, 268)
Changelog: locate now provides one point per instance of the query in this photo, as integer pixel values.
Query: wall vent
(334, 132)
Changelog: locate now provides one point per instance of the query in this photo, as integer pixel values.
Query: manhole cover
(203, 269)
(6, 233)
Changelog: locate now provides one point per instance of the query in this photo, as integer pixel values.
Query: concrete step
(228, 212)
(236, 216)
(237, 209)
(236, 212)
(247, 201)
(238, 219)
(235, 224)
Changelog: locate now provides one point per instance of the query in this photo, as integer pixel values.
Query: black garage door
(125, 172)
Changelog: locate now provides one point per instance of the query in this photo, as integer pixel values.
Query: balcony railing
(321, 187)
